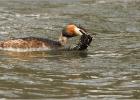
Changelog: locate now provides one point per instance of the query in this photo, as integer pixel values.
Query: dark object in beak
(84, 42)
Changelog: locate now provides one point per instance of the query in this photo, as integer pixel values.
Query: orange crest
(71, 29)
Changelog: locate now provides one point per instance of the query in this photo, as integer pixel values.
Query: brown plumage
(30, 42)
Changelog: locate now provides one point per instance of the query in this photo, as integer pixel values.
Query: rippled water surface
(109, 70)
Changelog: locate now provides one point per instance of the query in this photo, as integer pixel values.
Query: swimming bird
(41, 44)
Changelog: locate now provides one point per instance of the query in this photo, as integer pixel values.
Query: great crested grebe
(38, 44)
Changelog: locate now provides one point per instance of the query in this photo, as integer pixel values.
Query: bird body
(29, 44)
(41, 44)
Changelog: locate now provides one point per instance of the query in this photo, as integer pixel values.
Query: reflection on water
(108, 70)
(45, 54)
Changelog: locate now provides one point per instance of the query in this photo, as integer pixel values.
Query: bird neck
(63, 40)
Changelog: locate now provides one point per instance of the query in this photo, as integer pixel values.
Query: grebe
(41, 44)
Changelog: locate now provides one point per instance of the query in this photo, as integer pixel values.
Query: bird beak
(80, 31)
(83, 32)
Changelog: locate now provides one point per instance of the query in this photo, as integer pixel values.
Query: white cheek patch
(77, 30)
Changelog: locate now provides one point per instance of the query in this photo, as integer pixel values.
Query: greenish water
(109, 70)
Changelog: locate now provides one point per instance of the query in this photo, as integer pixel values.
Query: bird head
(71, 30)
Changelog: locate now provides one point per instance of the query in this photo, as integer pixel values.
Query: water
(109, 70)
